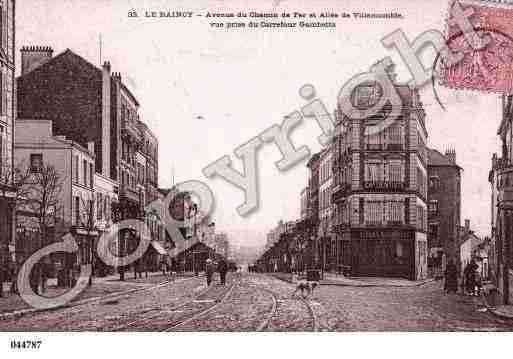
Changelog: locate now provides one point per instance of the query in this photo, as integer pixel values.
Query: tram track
(278, 303)
(179, 314)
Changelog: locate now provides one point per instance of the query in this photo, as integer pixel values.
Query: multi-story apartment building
(87, 104)
(149, 148)
(312, 226)
(324, 230)
(7, 115)
(380, 187)
(444, 209)
(36, 146)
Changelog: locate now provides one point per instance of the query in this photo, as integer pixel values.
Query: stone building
(380, 187)
(444, 209)
(7, 115)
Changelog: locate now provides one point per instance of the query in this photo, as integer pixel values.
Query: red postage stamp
(488, 68)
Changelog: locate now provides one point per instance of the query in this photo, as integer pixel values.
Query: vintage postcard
(254, 166)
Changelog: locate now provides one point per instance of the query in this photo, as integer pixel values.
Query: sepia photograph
(330, 168)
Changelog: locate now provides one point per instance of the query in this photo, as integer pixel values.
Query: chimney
(467, 225)
(451, 155)
(105, 140)
(34, 56)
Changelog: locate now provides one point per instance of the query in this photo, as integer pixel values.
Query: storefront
(384, 252)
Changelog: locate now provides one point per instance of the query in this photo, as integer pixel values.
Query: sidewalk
(340, 280)
(13, 305)
(501, 311)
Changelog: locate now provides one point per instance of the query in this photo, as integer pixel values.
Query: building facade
(325, 241)
(36, 147)
(444, 209)
(7, 115)
(311, 228)
(501, 181)
(90, 104)
(380, 188)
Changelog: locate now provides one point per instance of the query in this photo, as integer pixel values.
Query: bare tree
(89, 223)
(39, 193)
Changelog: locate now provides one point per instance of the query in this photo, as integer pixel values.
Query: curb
(493, 310)
(360, 284)
(22, 312)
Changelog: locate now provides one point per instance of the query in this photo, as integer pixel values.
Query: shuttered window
(396, 212)
(373, 212)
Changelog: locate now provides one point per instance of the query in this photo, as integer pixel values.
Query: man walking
(209, 271)
(222, 268)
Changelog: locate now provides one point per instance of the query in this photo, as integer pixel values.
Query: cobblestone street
(256, 302)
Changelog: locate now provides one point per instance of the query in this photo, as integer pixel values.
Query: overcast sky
(242, 81)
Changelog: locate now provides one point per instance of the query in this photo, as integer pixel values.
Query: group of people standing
(211, 268)
(472, 282)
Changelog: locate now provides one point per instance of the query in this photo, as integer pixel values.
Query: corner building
(379, 189)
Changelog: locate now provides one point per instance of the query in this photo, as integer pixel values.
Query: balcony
(384, 185)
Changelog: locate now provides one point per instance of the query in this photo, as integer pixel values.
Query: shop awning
(158, 247)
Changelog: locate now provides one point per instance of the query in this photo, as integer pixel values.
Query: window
(373, 171)
(75, 169)
(91, 175)
(433, 207)
(98, 206)
(373, 212)
(396, 212)
(396, 171)
(421, 182)
(36, 162)
(367, 95)
(106, 208)
(375, 138)
(421, 218)
(395, 136)
(85, 172)
(77, 210)
(433, 229)
(434, 182)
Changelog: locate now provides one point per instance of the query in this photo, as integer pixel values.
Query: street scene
(257, 302)
(121, 209)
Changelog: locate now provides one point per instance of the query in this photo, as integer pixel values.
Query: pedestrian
(478, 282)
(451, 278)
(163, 267)
(222, 268)
(209, 270)
(470, 273)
